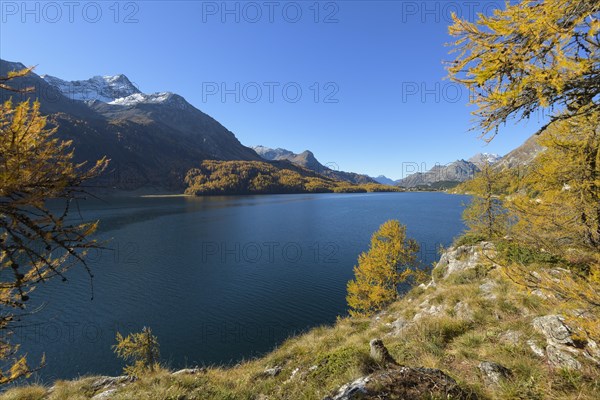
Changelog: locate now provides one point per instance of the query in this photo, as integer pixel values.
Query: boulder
(398, 327)
(494, 373)
(106, 395)
(403, 383)
(462, 258)
(554, 329)
(487, 289)
(188, 371)
(537, 350)
(353, 390)
(108, 382)
(427, 310)
(562, 357)
(271, 372)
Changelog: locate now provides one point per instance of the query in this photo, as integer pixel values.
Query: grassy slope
(449, 341)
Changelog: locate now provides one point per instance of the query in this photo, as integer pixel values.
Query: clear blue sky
(381, 60)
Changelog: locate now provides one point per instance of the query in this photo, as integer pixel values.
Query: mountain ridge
(152, 140)
(308, 160)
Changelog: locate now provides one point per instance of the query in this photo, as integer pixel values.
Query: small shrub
(141, 348)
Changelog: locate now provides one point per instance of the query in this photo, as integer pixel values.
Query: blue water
(218, 279)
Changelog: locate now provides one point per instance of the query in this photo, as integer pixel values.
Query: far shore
(167, 195)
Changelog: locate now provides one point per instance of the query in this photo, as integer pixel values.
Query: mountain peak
(484, 158)
(102, 88)
(8, 66)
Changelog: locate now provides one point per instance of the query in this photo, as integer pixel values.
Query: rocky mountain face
(152, 140)
(455, 172)
(522, 155)
(307, 160)
(484, 158)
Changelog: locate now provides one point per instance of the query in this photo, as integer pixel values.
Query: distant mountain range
(307, 160)
(384, 180)
(480, 159)
(151, 139)
(522, 155)
(441, 176)
(446, 176)
(453, 173)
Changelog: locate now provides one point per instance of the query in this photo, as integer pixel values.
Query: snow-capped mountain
(273, 154)
(484, 158)
(115, 90)
(152, 140)
(101, 88)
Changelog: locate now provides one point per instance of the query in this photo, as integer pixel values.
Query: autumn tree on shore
(391, 260)
(544, 57)
(486, 216)
(36, 242)
(142, 348)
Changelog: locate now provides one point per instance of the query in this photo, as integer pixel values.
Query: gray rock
(294, 374)
(352, 390)
(539, 293)
(554, 329)
(106, 395)
(403, 383)
(592, 351)
(271, 372)
(108, 382)
(487, 289)
(494, 373)
(428, 310)
(398, 327)
(561, 356)
(188, 371)
(537, 350)
(462, 258)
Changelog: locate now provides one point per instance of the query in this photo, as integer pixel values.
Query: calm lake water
(218, 279)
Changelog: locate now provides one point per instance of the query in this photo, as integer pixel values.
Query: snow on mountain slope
(115, 90)
(484, 158)
(138, 98)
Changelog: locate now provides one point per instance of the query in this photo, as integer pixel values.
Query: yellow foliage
(36, 243)
(531, 55)
(142, 348)
(391, 260)
(486, 216)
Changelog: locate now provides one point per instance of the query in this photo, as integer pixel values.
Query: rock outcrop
(403, 383)
(494, 373)
(462, 258)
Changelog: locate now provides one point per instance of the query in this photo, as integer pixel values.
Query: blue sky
(360, 83)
